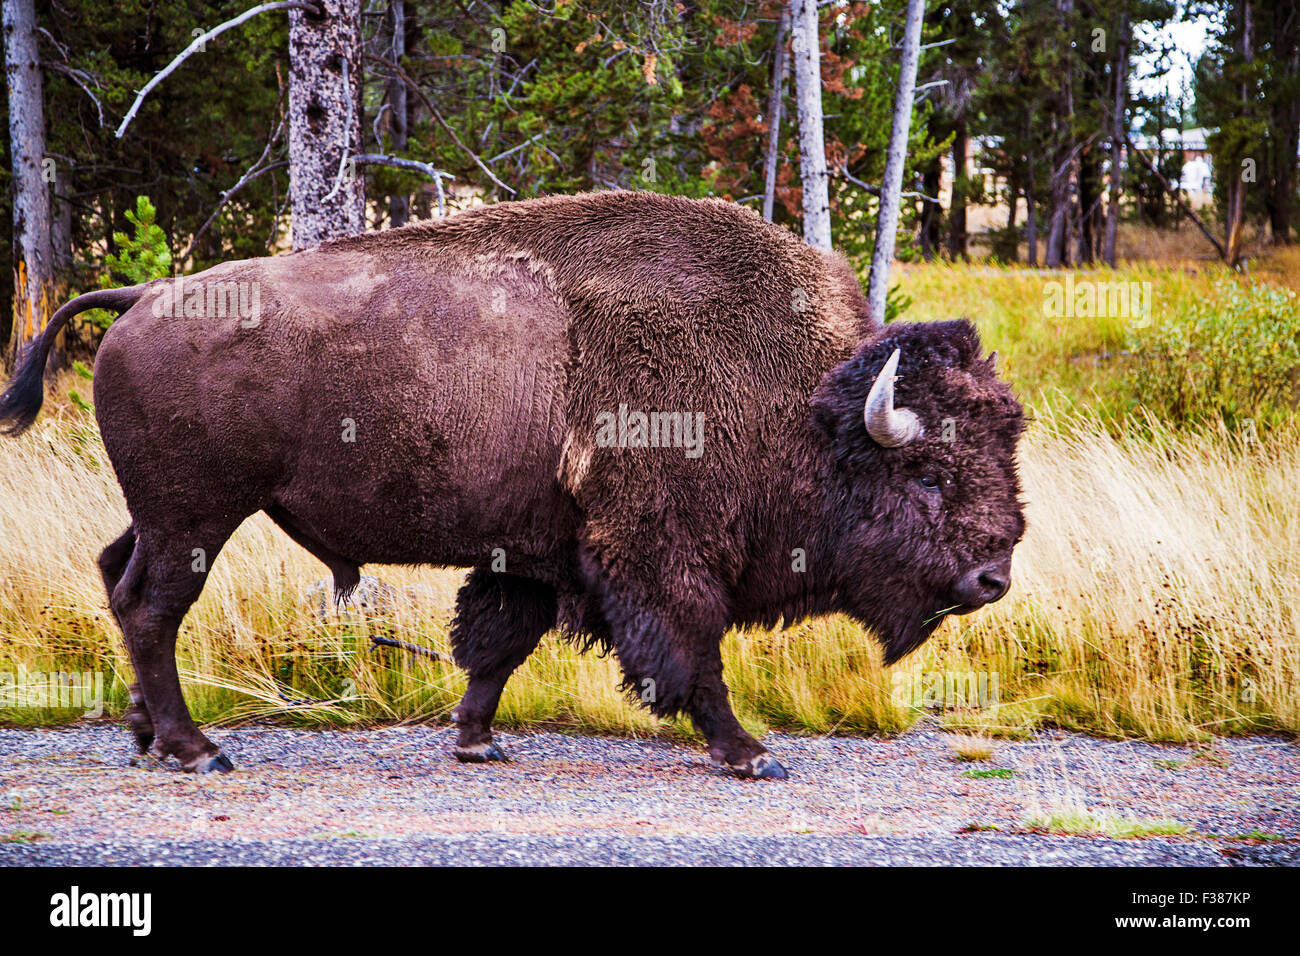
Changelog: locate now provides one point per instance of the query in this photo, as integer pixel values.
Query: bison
(637, 419)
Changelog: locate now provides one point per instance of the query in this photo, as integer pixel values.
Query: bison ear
(832, 398)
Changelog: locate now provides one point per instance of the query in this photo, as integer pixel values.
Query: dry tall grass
(1157, 593)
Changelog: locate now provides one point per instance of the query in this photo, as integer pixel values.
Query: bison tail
(25, 393)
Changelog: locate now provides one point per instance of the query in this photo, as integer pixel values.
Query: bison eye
(928, 482)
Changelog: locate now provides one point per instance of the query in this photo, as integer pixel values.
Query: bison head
(924, 495)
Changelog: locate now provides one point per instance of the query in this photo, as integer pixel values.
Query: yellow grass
(970, 748)
(1158, 588)
(1156, 594)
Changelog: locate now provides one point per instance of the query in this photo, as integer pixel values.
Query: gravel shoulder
(79, 796)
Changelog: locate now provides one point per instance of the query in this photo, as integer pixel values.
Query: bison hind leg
(162, 578)
(112, 565)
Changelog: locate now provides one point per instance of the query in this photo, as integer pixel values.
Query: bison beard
(431, 394)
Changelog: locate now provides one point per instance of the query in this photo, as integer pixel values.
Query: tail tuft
(25, 394)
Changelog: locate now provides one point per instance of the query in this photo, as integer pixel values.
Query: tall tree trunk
(325, 78)
(1236, 186)
(1013, 199)
(1059, 185)
(1059, 204)
(1283, 183)
(60, 237)
(1089, 196)
(780, 67)
(931, 212)
(399, 204)
(1098, 225)
(895, 159)
(32, 257)
(957, 211)
(1235, 214)
(1013, 196)
(1058, 225)
(812, 145)
(1285, 120)
(1058, 200)
(1118, 121)
(1031, 214)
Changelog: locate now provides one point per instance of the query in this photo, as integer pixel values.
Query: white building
(1198, 168)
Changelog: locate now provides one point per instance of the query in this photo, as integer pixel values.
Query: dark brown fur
(474, 355)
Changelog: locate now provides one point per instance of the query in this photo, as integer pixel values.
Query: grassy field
(1157, 592)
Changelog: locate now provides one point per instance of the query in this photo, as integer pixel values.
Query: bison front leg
(672, 662)
(729, 745)
(499, 620)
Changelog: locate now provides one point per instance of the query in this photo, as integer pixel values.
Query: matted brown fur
(472, 360)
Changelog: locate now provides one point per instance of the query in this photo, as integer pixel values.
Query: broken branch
(412, 648)
(198, 43)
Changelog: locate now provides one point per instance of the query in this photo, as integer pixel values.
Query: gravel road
(393, 796)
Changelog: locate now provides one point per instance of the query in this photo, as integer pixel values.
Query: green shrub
(896, 303)
(1233, 358)
(140, 258)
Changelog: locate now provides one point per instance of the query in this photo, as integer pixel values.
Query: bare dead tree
(325, 80)
(198, 45)
(1118, 120)
(1176, 194)
(812, 143)
(427, 103)
(780, 67)
(399, 204)
(33, 259)
(398, 162)
(895, 159)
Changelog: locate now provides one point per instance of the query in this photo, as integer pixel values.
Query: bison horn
(889, 426)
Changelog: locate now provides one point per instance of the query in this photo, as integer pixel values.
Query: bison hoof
(481, 753)
(216, 764)
(762, 767)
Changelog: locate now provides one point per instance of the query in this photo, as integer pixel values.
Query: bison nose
(983, 585)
